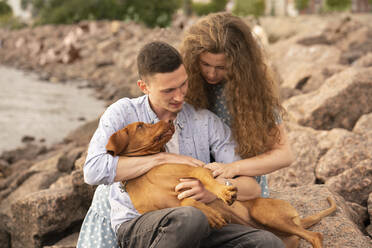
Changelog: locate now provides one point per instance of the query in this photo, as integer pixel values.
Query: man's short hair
(157, 57)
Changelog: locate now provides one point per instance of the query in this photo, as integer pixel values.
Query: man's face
(212, 66)
(167, 91)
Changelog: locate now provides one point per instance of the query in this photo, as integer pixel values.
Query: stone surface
(359, 214)
(49, 212)
(346, 154)
(68, 242)
(365, 61)
(334, 104)
(306, 152)
(364, 124)
(67, 161)
(354, 184)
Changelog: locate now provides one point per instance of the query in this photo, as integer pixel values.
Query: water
(40, 109)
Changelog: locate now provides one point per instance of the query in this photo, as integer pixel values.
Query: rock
(34, 183)
(67, 160)
(334, 104)
(301, 63)
(338, 229)
(28, 152)
(49, 212)
(4, 168)
(364, 124)
(287, 92)
(68, 242)
(357, 45)
(82, 135)
(20, 173)
(369, 230)
(307, 153)
(369, 203)
(27, 138)
(345, 155)
(358, 214)
(4, 231)
(354, 184)
(364, 61)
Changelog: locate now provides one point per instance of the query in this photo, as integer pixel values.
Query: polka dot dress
(96, 231)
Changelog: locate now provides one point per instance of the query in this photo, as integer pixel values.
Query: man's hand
(221, 170)
(172, 158)
(193, 188)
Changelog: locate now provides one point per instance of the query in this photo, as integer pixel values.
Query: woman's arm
(279, 157)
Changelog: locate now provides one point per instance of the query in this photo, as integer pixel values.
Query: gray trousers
(187, 227)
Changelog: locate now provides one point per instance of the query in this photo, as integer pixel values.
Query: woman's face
(212, 66)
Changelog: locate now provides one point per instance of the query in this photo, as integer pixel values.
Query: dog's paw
(228, 194)
(215, 219)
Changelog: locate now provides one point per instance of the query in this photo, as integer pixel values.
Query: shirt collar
(179, 121)
(153, 117)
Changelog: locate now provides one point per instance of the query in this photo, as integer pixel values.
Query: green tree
(5, 9)
(151, 13)
(338, 5)
(301, 4)
(206, 8)
(251, 7)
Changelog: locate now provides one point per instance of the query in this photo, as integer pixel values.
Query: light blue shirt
(201, 133)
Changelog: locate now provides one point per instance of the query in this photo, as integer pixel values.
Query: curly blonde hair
(250, 91)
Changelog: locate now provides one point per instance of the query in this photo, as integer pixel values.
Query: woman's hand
(221, 170)
(194, 189)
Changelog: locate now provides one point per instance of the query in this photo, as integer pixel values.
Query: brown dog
(155, 189)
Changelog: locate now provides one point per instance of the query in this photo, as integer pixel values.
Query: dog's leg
(313, 219)
(215, 218)
(226, 193)
(283, 217)
(292, 241)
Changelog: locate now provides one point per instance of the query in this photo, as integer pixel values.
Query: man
(198, 134)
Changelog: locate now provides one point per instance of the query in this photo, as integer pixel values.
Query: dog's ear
(118, 142)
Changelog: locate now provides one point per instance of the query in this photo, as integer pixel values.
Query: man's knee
(189, 219)
(269, 240)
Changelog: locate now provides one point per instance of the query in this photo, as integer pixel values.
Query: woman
(233, 81)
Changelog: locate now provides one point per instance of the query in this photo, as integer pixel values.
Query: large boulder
(49, 213)
(341, 100)
(345, 155)
(354, 184)
(298, 64)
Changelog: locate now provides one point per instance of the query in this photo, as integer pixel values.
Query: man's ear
(118, 142)
(143, 86)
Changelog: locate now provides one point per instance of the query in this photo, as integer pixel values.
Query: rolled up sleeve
(100, 167)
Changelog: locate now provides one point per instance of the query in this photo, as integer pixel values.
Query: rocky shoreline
(325, 69)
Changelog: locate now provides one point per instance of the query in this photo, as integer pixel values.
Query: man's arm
(132, 167)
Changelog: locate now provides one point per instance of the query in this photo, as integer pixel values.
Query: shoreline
(42, 110)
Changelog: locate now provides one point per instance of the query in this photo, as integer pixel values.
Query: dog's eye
(140, 125)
